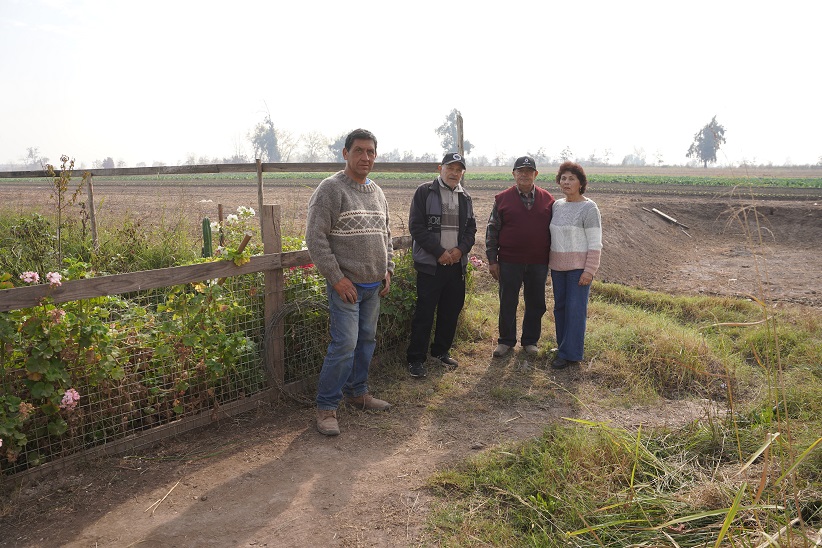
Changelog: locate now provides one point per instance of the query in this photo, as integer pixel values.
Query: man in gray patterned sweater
(349, 241)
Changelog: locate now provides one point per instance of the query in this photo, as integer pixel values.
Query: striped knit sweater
(576, 236)
(347, 232)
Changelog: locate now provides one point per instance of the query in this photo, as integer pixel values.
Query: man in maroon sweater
(517, 241)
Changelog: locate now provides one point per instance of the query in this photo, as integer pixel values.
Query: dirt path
(268, 479)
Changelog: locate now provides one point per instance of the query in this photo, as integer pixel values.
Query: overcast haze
(155, 81)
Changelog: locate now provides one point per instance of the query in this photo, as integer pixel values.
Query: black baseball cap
(452, 157)
(525, 161)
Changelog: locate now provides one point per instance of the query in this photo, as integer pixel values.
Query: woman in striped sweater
(576, 245)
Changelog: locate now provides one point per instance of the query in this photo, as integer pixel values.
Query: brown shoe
(501, 350)
(327, 422)
(367, 402)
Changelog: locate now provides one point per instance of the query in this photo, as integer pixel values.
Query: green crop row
(776, 182)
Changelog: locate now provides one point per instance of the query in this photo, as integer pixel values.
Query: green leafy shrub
(85, 371)
(46, 351)
(397, 308)
(27, 243)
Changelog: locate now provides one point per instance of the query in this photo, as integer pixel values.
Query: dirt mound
(732, 247)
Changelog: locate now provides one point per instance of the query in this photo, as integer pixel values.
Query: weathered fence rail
(315, 167)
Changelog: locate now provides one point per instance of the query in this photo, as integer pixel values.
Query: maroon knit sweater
(525, 236)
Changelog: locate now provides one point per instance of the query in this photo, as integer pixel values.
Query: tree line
(270, 143)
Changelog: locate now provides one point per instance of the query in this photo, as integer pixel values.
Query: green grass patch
(756, 371)
(592, 485)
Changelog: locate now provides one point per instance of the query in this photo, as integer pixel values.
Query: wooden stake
(92, 216)
(240, 249)
(668, 218)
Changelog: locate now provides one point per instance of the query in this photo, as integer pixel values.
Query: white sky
(148, 80)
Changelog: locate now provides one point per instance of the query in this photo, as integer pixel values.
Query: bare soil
(268, 478)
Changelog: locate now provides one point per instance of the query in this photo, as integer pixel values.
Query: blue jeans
(531, 279)
(353, 339)
(570, 313)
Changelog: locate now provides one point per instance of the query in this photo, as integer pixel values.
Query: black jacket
(424, 225)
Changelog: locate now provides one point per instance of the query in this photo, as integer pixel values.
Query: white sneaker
(501, 350)
(531, 349)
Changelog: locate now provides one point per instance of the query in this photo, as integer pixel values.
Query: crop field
(640, 248)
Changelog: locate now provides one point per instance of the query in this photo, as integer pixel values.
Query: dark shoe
(562, 363)
(367, 402)
(417, 369)
(327, 422)
(448, 361)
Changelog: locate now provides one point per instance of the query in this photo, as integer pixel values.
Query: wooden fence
(272, 264)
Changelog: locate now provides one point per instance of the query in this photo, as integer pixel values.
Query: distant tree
(397, 156)
(390, 156)
(540, 156)
(236, 159)
(239, 156)
(337, 146)
(635, 159)
(606, 156)
(121, 163)
(140, 164)
(287, 144)
(566, 154)
(191, 159)
(108, 163)
(706, 142)
(264, 141)
(33, 160)
(316, 147)
(157, 163)
(448, 133)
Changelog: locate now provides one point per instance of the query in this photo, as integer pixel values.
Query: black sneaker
(417, 370)
(562, 363)
(448, 361)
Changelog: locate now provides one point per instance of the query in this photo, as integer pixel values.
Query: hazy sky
(145, 81)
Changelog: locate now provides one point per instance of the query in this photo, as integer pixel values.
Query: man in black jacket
(443, 227)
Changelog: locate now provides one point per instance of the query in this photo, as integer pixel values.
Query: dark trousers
(531, 279)
(445, 293)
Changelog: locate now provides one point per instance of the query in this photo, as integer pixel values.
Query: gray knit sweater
(347, 231)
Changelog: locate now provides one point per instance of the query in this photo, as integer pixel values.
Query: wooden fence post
(461, 144)
(460, 136)
(220, 222)
(274, 298)
(92, 215)
(260, 192)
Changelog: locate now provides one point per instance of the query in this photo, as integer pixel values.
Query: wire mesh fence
(85, 373)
